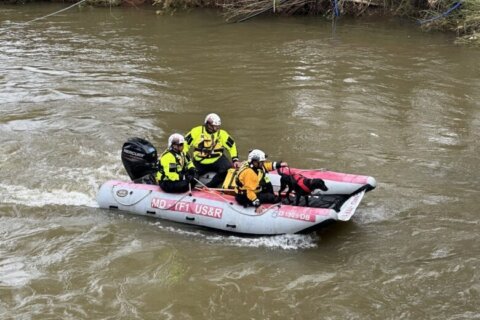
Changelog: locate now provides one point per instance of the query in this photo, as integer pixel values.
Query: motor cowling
(140, 159)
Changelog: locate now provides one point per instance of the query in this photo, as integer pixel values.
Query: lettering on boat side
(303, 214)
(188, 207)
(122, 193)
(297, 216)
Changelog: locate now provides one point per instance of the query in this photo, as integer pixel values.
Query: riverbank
(461, 17)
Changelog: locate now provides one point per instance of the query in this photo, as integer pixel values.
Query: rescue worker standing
(177, 172)
(253, 185)
(209, 143)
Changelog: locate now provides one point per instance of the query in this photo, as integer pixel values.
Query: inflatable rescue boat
(217, 208)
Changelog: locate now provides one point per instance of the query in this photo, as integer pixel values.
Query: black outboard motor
(140, 159)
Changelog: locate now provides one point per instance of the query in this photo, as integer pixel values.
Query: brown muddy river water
(377, 98)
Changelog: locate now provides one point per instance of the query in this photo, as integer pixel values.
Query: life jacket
(179, 167)
(260, 172)
(208, 146)
(230, 181)
(300, 180)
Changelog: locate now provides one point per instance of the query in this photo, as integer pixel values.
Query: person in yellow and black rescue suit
(253, 185)
(177, 172)
(208, 143)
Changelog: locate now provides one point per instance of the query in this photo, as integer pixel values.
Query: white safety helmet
(256, 155)
(175, 138)
(213, 119)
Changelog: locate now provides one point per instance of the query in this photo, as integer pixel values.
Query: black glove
(190, 175)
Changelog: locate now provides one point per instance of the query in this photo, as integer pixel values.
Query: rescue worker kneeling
(253, 185)
(177, 172)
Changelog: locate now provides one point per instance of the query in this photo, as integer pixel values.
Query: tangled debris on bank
(460, 16)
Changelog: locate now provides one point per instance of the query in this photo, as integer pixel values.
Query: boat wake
(284, 242)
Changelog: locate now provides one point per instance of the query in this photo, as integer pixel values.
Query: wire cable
(454, 6)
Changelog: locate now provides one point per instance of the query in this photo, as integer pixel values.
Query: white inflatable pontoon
(217, 208)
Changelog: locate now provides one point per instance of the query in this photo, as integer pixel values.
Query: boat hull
(217, 210)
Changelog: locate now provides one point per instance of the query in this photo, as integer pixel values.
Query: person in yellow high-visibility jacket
(253, 185)
(176, 172)
(207, 144)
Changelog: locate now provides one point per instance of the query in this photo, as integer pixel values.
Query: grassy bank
(461, 17)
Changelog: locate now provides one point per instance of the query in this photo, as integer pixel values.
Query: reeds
(460, 16)
(103, 3)
(241, 10)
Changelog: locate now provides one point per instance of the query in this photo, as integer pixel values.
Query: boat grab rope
(177, 201)
(189, 193)
(306, 170)
(454, 6)
(299, 170)
(229, 204)
(129, 204)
